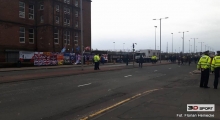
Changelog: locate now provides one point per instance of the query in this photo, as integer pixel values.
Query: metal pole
(155, 37)
(133, 54)
(172, 42)
(160, 40)
(183, 42)
(189, 46)
(194, 45)
(81, 34)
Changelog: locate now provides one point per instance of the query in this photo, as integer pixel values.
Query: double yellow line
(117, 104)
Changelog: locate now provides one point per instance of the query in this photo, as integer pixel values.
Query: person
(102, 60)
(153, 59)
(141, 61)
(87, 59)
(126, 59)
(96, 60)
(189, 60)
(99, 60)
(204, 66)
(215, 67)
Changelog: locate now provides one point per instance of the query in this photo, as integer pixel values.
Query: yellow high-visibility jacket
(96, 58)
(204, 62)
(215, 63)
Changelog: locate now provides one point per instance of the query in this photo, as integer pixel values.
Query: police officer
(96, 60)
(215, 67)
(204, 66)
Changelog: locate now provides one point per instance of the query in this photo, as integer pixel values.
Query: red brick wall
(10, 24)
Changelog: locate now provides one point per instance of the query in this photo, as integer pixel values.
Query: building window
(65, 21)
(68, 37)
(41, 6)
(68, 22)
(57, 19)
(68, 1)
(77, 24)
(67, 10)
(57, 8)
(21, 9)
(76, 39)
(56, 36)
(76, 3)
(31, 12)
(76, 13)
(41, 19)
(64, 10)
(22, 35)
(31, 36)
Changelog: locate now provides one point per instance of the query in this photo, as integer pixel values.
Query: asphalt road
(78, 96)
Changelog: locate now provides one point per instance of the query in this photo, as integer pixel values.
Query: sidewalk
(64, 66)
(25, 77)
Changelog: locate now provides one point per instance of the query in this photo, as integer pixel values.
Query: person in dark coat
(126, 60)
(141, 61)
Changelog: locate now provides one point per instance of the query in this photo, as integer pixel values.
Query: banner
(26, 56)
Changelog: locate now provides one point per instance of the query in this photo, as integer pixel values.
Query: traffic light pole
(133, 54)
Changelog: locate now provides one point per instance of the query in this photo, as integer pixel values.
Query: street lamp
(114, 46)
(172, 42)
(123, 46)
(194, 43)
(155, 37)
(201, 45)
(160, 34)
(183, 39)
(189, 46)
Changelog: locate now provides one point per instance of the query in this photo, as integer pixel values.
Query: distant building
(43, 26)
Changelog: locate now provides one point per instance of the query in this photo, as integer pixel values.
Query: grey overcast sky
(131, 21)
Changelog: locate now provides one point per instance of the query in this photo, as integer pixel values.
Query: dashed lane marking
(84, 85)
(118, 104)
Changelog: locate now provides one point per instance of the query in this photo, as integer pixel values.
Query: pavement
(25, 74)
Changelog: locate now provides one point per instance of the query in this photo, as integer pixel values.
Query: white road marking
(155, 70)
(84, 85)
(129, 75)
(125, 76)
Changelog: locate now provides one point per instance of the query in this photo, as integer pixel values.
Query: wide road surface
(78, 96)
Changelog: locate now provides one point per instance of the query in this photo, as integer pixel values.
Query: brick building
(43, 26)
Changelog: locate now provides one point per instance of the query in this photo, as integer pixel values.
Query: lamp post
(123, 46)
(194, 43)
(160, 34)
(201, 45)
(155, 37)
(133, 52)
(189, 46)
(114, 46)
(81, 15)
(183, 39)
(172, 42)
